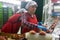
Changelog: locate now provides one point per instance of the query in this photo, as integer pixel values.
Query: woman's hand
(32, 32)
(42, 33)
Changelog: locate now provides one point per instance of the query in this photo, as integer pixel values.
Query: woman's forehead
(33, 6)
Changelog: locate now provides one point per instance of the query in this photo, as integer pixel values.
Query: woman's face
(32, 9)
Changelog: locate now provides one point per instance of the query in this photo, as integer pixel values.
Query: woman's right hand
(42, 33)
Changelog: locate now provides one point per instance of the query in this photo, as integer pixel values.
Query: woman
(29, 19)
(13, 23)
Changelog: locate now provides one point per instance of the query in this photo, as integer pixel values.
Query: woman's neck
(31, 14)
